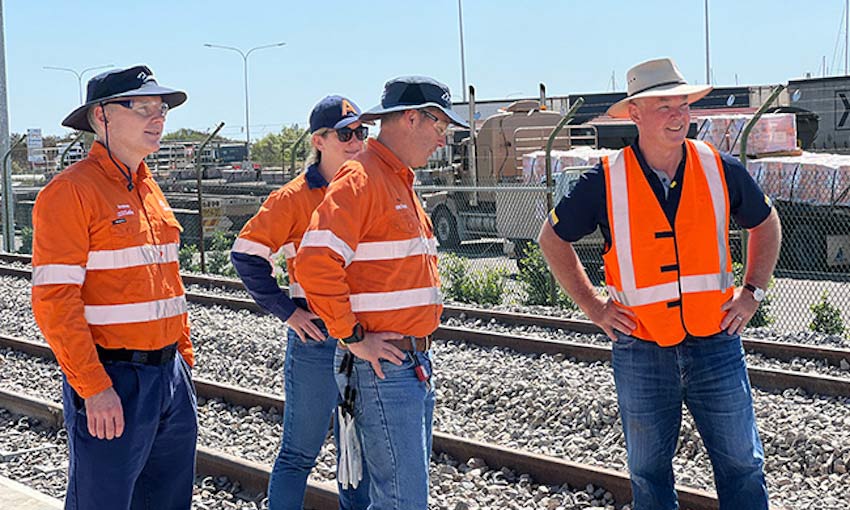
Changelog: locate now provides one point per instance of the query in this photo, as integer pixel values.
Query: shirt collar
(99, 154)
(648, 170)
(389, 158)
(314, 177)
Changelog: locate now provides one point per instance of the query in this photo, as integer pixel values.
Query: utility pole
(4, 135)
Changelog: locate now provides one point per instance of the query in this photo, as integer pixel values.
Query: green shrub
(762, 317)
(186, 258)
(218, 256)
(827, 317)
(536, 281)
(26, 240)
(479, 287)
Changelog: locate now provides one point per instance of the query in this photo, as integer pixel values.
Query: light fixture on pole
(245, 55)
(78, 74)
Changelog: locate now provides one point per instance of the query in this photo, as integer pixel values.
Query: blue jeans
(152, 464)
(311, 400)
(710, 376)
(393, 417)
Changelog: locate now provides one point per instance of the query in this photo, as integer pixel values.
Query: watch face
(758, 294)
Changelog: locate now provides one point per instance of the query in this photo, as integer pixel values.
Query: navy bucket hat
(333, 112)
(118, 83)
(414, 93)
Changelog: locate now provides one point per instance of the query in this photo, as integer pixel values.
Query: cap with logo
(118, 83)
(333, 112)
(414, 93)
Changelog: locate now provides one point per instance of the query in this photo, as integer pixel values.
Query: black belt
(157, 357)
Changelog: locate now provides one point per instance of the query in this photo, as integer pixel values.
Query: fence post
(9, 199)
(68, 148)
(294, 150)
(745, 135)
(199, 171)
(550, 185)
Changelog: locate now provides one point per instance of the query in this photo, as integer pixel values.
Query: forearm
(763, 251)
(567, 268)
(256, 275)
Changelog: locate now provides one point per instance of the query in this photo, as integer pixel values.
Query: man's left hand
(740, 309)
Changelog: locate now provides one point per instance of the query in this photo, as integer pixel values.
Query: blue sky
(353, 47)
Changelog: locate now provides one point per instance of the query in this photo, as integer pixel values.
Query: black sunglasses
(344, 134)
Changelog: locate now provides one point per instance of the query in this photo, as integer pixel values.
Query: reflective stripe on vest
(631, 295)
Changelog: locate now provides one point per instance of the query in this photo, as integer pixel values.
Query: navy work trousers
(152, 465)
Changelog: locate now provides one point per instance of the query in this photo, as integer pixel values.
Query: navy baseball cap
(117, 83)
(333, 112)
(414, 93)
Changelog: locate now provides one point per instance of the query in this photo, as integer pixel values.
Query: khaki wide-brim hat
(656, 78)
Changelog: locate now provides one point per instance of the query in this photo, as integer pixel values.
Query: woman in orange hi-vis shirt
(311, 392)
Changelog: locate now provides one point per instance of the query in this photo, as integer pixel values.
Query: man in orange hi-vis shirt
(108, 297)
(368, 266)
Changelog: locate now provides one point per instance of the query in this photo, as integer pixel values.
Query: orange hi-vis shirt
(105, 268)
(674, 277)
(277, 228)
(369, 254)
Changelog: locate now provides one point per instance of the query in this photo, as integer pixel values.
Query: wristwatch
(758, 294)
(357, 335)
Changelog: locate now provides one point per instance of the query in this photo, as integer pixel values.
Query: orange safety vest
(674, 280)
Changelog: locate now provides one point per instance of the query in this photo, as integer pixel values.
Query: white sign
(35, 144)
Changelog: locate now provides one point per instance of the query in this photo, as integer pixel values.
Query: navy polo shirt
(585, 207)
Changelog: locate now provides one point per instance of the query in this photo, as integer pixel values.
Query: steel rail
(542, 468)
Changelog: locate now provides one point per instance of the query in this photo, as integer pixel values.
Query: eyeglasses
(146, 109)
(344, 134)
(441, 126)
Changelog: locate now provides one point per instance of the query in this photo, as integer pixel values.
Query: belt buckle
(141, 357)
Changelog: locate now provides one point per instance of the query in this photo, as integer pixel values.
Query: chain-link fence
(487, 217)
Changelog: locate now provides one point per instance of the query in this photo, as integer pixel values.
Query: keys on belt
(154, 357)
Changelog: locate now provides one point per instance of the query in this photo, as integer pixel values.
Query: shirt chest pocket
(405, 222)
(129, 227)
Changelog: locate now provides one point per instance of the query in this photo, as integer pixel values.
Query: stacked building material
(811, 178)
(774, 132)
(534, 163)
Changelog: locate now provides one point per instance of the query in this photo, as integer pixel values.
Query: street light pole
(79, 75)
(462, 58)
(707, 60)
(245, 55)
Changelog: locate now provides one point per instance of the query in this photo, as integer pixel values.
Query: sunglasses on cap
(344, 134)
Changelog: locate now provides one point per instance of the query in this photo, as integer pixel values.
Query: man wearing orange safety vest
(368, 266)
(674, 316)
(108, 297)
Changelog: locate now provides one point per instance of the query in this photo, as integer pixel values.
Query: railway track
(254, 477)
(765, 378)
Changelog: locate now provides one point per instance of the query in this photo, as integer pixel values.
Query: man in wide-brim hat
(108, 296)
(672, 310)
